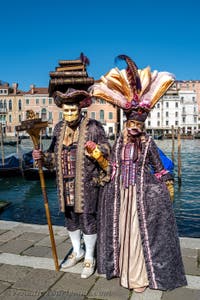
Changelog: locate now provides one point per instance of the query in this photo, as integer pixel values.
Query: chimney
(15, 86)
(32, 88)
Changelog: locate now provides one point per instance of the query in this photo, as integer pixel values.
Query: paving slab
(190, 261)
(8, 225)
(8, 235)
(74, 285)
(181, 294)
(28, 261)
(62, 249)
(190, 243)
(38, 251)
(15, 246)
(38, 280)
(148, 294)
(12, 274)
(4, 286)
(14, 294)
(2, 231)
(61, 295)
(31, 236)
(108, 289)
(47, 242)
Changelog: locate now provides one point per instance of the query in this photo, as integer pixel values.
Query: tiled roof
(37, 90)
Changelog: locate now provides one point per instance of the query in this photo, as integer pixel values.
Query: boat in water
(10, 166)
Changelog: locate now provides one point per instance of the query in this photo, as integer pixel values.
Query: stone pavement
(27, 269)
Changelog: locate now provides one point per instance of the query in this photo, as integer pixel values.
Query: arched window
(20, 104)
(10, 104)
(44, 113)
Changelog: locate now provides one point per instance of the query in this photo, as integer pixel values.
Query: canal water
(26, 202)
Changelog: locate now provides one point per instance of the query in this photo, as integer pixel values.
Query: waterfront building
(106, 113)
(11, 107)
(177, 108)
(190, 85)
(37, 99)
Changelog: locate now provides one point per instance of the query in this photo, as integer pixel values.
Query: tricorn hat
(72, 96)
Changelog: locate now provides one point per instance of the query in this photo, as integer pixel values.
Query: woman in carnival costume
(137, 236)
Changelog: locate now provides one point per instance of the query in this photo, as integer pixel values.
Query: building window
(20, 118)
(167, 123)
(60, 116)
(158, 115)
(93, 115)
(43, 101)
(183, 119)
(158, 123)
(110, 129)
(176, 114)
(158, 105)
(20, 104)
(5, 106)
(176, 123)
(167, 114)
(193, 99)
(176, 104)
(50, 115)
(27, 101)
(149, 123)
(10, 119)
(50, 101)
(183, 109)
(167, 104)
(102, 101)
(101, 115)
(10, 105)
(110, 115)
(37, 101)
(195, 119)
(44, 113)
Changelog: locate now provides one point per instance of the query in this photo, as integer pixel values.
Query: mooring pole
(173, 143)
(179, 157)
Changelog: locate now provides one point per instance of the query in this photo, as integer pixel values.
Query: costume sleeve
(156, 163)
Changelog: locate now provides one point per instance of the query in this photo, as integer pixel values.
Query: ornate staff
(33, 126)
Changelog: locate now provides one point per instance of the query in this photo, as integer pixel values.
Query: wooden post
(33, 127)
(179, 157)
(2, 146)
(173, 143)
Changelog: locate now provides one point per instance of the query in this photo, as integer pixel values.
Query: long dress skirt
(133, 272)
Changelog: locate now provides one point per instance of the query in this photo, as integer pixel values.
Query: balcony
(3, 110)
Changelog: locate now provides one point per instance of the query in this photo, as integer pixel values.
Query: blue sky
(35, 35)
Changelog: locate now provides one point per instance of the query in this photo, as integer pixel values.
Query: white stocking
(75, 237)
(90, 242)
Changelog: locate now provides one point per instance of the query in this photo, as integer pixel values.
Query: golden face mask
(70, 112)
(134, 124)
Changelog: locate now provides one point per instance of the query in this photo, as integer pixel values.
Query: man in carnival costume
(79, 151)
(142, 245)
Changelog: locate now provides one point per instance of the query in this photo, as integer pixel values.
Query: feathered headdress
(135, 91)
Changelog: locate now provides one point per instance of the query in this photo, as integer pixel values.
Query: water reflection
(27, 202)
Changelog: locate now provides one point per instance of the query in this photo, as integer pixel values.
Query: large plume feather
(132, 73)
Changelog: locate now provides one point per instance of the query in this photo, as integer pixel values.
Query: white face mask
(70, 112)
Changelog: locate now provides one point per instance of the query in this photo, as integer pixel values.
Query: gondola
(10, 166)
(30, 171)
